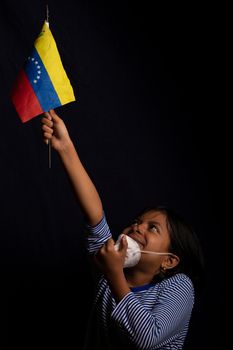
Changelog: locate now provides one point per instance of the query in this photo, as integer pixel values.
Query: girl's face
(150, 231)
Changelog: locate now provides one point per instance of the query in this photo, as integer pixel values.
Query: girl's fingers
(47, 115)
(47, 121)
(53, 115)
(47, 129)
(123, 243)
(110, 243)
(47, 135)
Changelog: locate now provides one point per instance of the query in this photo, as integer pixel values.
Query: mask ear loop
(157, 253)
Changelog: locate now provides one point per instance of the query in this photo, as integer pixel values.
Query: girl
(148, 303)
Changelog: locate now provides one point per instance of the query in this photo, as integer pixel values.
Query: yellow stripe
(47, 49)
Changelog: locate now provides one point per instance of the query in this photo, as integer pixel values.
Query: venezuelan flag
(42, 84)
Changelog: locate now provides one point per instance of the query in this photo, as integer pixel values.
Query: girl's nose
(138, 227)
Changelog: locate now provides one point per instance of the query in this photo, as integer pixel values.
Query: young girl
(146, 304)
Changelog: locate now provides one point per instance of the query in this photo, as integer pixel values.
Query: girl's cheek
(126, 231)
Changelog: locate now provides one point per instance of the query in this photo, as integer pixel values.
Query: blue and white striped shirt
(154, 316)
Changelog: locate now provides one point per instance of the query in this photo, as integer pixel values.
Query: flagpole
(47, 13)
(49, 143)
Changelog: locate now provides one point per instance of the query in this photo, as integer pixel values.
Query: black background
(144, 76)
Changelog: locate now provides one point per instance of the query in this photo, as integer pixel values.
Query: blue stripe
(41, 82)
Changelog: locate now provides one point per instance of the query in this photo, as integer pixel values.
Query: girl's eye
(153, 228)
(135, 222)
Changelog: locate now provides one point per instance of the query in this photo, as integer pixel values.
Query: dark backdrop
(143, 78)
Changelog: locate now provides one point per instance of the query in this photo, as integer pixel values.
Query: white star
(35, 81)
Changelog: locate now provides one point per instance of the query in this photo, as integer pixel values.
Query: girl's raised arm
(55, 130)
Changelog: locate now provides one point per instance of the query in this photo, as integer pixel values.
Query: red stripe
(24, 98)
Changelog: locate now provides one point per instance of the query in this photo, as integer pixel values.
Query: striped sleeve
(97, 235)
(149, 328)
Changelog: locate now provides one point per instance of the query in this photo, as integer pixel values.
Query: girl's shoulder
(180, 281)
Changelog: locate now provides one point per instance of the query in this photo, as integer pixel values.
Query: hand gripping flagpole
(49, 141)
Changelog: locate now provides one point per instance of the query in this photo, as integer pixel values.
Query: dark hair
(185, 244)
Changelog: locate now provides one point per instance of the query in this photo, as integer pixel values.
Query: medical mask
(133, 253)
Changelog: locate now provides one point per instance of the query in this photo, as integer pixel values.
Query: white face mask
(133, 254)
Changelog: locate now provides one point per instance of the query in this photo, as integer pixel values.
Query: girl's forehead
(156, 217)
(153, 215)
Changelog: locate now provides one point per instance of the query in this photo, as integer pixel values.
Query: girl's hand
(109, 260)
(55, 130)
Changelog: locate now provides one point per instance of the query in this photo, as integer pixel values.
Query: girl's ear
(170, 262)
